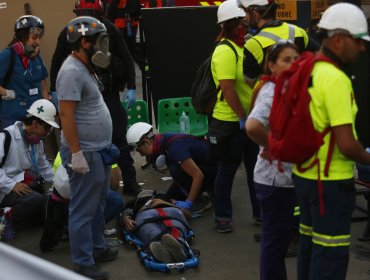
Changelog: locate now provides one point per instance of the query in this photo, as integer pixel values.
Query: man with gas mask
(86, 133)
(118, 75)
(267, 31)
(23, 167)
(22, 71)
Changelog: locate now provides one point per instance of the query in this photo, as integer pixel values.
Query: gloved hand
(131, 98)
(10, 94)
(79, 163)
(54, 99)
(242, 123)
(184, 204)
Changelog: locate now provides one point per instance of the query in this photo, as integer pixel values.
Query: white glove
(10, 94)
(79, 163)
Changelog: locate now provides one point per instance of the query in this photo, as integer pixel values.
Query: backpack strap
(10, 68)
(226, 42)
(8, 139)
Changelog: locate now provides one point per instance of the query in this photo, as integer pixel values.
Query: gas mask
(30, 51)
(101, 54)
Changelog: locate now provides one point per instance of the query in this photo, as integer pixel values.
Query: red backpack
(292, 136)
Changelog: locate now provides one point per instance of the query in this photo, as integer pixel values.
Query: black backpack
(203, 90)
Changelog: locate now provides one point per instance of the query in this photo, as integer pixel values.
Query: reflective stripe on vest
(277, 38)
(331, 241)
(297, 211)
(305, 230)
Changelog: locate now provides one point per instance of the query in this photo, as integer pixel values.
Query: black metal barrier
(177, 40)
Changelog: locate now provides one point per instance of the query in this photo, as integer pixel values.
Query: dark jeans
(25, 208)
(316, 260)
(277, 207)
(119, 122)
(237, 147)
(180, 189)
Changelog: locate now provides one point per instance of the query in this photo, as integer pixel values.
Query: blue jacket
(25, 82)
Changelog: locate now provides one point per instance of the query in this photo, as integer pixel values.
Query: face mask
(33, 139)
(239, 37)
(30, 51)
(101, 56)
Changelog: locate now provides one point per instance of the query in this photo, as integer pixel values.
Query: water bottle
(8, 232)
(184, 123)
(2, 222)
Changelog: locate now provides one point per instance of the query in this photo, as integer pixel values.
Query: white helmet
(248, 3)
(44, 110)
(136, 132)
(347, 17)
(229, 10)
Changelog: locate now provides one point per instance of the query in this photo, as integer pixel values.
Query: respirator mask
(101, 56)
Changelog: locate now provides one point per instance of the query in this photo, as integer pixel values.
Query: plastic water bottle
(8, 232)
(184, 123)
(2, 222)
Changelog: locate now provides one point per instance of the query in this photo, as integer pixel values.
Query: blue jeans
(180, 190)
(238, 146)
(315, 260)
(89, 195)
(277, 205)
(114, 206)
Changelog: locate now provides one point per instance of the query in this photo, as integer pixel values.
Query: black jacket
(117, 48)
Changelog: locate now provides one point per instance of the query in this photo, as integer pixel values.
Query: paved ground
(223, 256)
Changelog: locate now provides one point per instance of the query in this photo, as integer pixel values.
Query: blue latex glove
(184, 204)
(242, 123)
(131, 98)
(54, 99)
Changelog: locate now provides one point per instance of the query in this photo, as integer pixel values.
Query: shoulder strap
(10, 68)
(226, 42)
(8, 139)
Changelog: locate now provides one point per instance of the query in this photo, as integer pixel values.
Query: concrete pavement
(222, 256)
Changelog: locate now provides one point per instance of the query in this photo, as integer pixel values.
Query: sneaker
(109, 254)
(132, 188)
(91, 271)
(160, 253)
(224, 226)
(201, 204)
(174, 247)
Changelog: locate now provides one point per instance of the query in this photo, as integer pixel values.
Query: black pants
(119, 122)
(26, 208)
